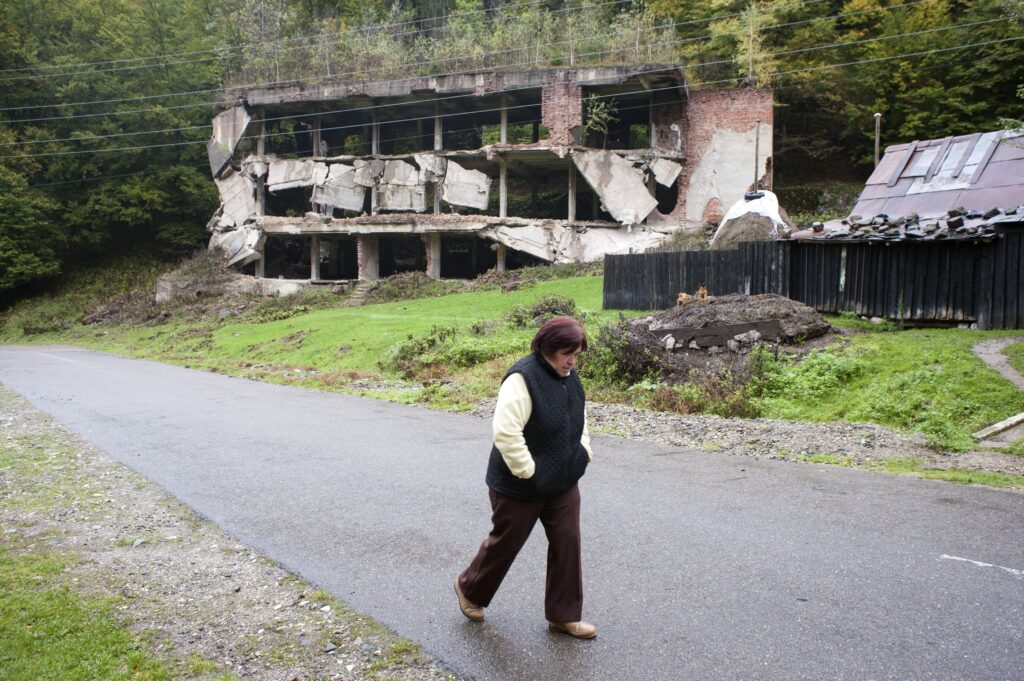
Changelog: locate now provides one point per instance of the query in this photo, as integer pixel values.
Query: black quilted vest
(552, 434)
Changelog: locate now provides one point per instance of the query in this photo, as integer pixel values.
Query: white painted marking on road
(1016, 573)
(63, 359)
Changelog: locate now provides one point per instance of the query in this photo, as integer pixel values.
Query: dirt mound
(797, 321)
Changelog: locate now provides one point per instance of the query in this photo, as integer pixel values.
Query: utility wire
(296, 117)
(228, 89)
(621, 94)
(225, 52)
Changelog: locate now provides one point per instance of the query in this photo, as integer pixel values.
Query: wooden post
(503, 188)
(572, 192)
(314, 257)
(501, 258)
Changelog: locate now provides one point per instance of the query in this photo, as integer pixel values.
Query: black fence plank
(949, 282)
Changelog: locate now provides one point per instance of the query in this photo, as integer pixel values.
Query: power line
(378, 27)
(644, 91)
(303, 41)
(228, 89)
(296, 117)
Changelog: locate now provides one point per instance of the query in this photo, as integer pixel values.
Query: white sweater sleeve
(510, 416)
(585, 439)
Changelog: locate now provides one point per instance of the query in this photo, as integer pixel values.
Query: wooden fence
(921, 282)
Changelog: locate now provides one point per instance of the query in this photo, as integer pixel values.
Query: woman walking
(541, 450)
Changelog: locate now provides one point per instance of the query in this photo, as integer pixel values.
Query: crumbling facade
(457, 174)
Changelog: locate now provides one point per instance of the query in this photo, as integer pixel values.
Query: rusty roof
(974, 172)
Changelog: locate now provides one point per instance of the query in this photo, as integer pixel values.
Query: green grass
(1015, 354)
(956, 475)
(49, 632)
(924, 381)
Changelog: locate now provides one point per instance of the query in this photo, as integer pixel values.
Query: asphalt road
(696, 566)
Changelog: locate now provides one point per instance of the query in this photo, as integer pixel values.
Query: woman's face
(563, 361)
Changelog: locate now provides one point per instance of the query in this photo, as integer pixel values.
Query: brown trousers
(513, 520)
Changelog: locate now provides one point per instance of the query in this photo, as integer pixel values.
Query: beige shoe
(574, 629)
(468, 607)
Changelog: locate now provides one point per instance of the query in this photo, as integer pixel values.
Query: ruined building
(453, 175)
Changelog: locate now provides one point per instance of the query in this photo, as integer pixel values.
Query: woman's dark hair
(559, 333)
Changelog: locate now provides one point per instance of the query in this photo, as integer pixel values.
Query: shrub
(406, 358)
(544, 308)
(617, 357)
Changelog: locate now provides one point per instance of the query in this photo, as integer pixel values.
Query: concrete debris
(238, 199)
(555, 241)
(759, 219)
(255, 167)
(368, 172)
(228, 129)
(340, 190)
(462, 187)
(240, 246)
(432, 167)
(618, 183)
(401, 188)
(289, 174)
(956, 224)
(665, 172)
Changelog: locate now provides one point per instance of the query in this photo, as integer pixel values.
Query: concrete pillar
(501, 258)
(314, 257)
(438, 143)
(504, 120)
(374, 150)
(503, 188)
(316, 135)
(261, 181)
(432, 240)
(572, 192)
(651, 130)
(261, 269)
(368, 249)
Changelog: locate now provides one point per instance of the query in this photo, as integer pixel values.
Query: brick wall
(562, 108)
(710, 111)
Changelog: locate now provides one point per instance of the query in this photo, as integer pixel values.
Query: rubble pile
(958, 223)
(733, 322)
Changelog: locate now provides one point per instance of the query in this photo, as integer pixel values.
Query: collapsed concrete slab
(665, 172)
(228, 129)
(238, 199)
(401, 188)
(618, 183)
(462, 187)
(292, 173)
(239, 246)
(340, 190)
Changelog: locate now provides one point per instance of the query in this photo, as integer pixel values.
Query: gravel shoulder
(186, 589)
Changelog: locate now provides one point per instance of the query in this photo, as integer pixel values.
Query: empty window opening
(466, 257)
(338, 258)
(286, 257)
(667, 197)
(289, 202)
(401, 254)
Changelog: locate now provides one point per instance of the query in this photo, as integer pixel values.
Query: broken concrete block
(401, 188)
(619, 185)
(240, 246)
(670, 342)
(750, 337)
(665, 172)
(368, 172)
(431, 166)
(462, 187)
(237, 198)
(339, 189)
(290, 173)
(228, 129)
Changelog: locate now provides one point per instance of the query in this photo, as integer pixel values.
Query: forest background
(105, 107)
